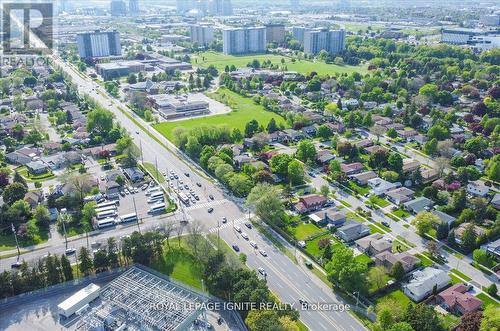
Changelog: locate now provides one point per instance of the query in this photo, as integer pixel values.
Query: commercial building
(275, 33)
(332, 41)
(202, 34)
(114, 70)
(171, 107)
(490, 20)
(220, 7)
(133, 7)
(459, 36)
(99, 44)
(79, 300)
(298, 33)
(118, 8)
(485, 43)
(244, 40)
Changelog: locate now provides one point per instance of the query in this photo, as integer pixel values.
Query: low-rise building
(492, 248)
(388, 259)
(424, 281)
(171, 107)
(456, 299)
(477, 188)
(419, 204)
(329, 216)
(363, 177)
(374, 244)
(310, 203)
(400, 195)
(380, 186)
(352, 230)
(351, 168)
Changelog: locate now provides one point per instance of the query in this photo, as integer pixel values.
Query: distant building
(220, 8)
(114, 70)
(294, 4)
(118, 8)
(184, 6)
(332, 41)
(459, 36)
(133, 7)
(244, 40)
(99, 44)
(202, 34)
(275, 33)
(171, 107)
(298, 33)
(485, 43)
(490, 20)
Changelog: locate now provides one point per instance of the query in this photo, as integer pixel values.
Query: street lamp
(17, 243)
(357, 298)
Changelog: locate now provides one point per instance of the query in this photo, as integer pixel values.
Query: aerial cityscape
(257, 165)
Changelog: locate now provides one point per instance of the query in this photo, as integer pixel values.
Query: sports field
(220, 61)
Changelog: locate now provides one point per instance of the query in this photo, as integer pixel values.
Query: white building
(220, 7)
(202, 34)
(485, 43)
(99, 44)
(459, 36)
(298, 33)
(490, 20)
(244, 40)
(79, 300)
(332, 41)
(424, 281)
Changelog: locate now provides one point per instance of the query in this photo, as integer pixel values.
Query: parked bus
(157, 209)
(107, 222)
(156, 200)
(106, 214)
(156, 194)
(153, 190)
(103, 209)
(128, 218)
(184, 198)
(108, 204)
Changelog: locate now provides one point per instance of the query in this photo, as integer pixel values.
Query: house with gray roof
(418, 204)
(352, 230)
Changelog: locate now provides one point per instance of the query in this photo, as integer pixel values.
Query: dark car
(198, 184)
(210, 210)
(211, 197)
(16, 265)
(186, 174)
(224, 220)
(236, 248)
(384, 223)
(248, 225)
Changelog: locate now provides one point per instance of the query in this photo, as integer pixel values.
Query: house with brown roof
(33, 198)
(309, 203)
(456, 299)
(388, 259)
(410, 165)
(363, 177)
(459, 231)
(351, 168)
(400, 195)
(364, 143)
(374, 244)
(374, 149)
(406, 134)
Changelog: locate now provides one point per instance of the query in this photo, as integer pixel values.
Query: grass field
(461, 274)
(304, 230)
(243, 111)
(220, 61)
(396, 297)
(153, 171)
(487, 301)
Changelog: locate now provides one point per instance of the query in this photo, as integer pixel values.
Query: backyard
(243, 111)
(220, 61)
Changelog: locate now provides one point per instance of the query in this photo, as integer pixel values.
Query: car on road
(237, 228)
(244, 235)
(70, 251)
(126, 191)
(16, 265)
(263, 252)
(186, 174)
(385, 223)
(262, 271)
(224, 220)
(253, 243)
(186, 187)
(171, 177)
(122, 193)
(211, 197)
(304, 303)
(103, 178)
(198, 184)
(197, 197)
(248, 225)
(312, 174)
(136, 132)
(210, 210)
(136, 190)
(236, 248)
(144, 187)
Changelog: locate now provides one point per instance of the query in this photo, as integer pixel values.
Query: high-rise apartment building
(202, 34)
(118, 8)
(244, 40)
(275, 33)
(133, 7)
(99, 44)
(332, 41)
(220, 7)
(298, 33)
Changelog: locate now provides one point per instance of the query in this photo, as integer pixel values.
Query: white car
(244, 235)
(253, 244)
(263, 252)
(262, 271)
(237, 228)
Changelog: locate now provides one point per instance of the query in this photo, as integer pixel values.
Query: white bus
(184, 198)
(106, 214)
(153, 190)
(156, 194)
(103, 209)
(108, 204)
(157, 209)
(107, 222)
(156, 200)
(128, 218)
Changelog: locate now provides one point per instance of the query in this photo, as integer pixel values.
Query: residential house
(458, 300)
(363, 177)
(362, 144)
(419, 139)
(424, 281)
(133, 174)
(374, 149)
(113, 190)
(352, 230)
(242, 159)
(459, 231)
(34, 198)
(310, 203)
(351, 168)
(428, 174)
(406, 134)
(400, 195)
(309, 130)
(388, 259)
(492, 248)
(55, 161)
(419, 204)
(112, 175)
(293, 135)
(445, 218)
(410, 165)
(18, 158)
(374, 244)
(477, 188)
(37, 167)
(324, 157)
(380, 186)
(97, 151)
(73, 157)
(329, 216)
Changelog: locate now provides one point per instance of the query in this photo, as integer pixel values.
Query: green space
(395, 297)
(401, 213)
(345, 203)
(7, 241)
(357, 188)
(487, 300)
(226, 249)
(243, 111)
(304, 231)
(452, 251)
(154, 172)
(313, 248)
(424, 260)
(449, 321)
(363, 258)
(375, 229)
(403, 240)
(454, 279)
(220, 61)
(461, 274)
(386, 228)
(23, 171)
(379, 201)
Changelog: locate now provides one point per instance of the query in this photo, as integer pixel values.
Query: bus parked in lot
(128, 218)
(158, 208)
(106, 214)
(105, 223)
(156, 194)
(103, 209)
(108, 204)
(153, 190)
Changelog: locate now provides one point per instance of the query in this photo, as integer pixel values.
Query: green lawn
(449, 321)
(424, 260)
(363, 258)
(154, 172)
(304, 230)
(487, 301)
(243, 111)
(375, 229)
(461, 274)
(379, 201)
(313, 248)
(396, 297)
(23, 171)
(454, 279)
(401, 213)
(357, 188)
(220, 61)
(7, 241)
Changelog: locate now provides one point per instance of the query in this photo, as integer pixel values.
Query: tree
(398, 271)
(481, 257)
(324, 190)
(430, 147)
(66, 268)
(491, 318)
(395, 162)
(99, 122)
(401, 326)
(392, 133)
(251, 128)
(112, 252)
(265, 200)
(271, 126)
(14, 192)
(345, 271)
(422, 317)
(385, 319)
(193, 147)
(295, 172)
(432, 248)
(100, 261)
(288, 323)
(378, 276)
(492, 290)
(424, 221)
(41, 215)
(324, 132)
(306, 151)
(469, 238)
(279, 164)
(132, 78)
(263, 320)
(86, 265)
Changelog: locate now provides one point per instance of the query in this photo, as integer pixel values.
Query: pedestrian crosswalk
(205, 205)
(229, 224)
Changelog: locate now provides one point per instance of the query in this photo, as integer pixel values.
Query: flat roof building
(244, 40)
(275, 33)
(332, 41)
(99, 44)
(459, 36)
(201, 34)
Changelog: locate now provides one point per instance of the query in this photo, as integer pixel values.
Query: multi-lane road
(289, 280)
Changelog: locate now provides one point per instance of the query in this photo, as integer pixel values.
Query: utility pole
(138, 220)
(142, 154)
(218, 236)
(63, 219)
(157, 171)
(17, 243)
